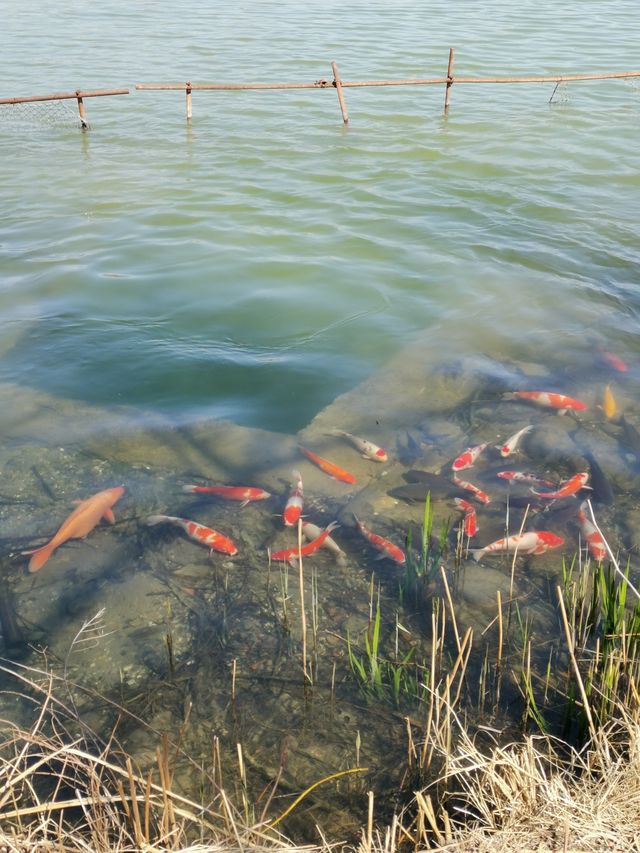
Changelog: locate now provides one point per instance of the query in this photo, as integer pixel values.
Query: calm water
(260, 263)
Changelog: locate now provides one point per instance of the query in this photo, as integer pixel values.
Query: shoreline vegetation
(568, 781)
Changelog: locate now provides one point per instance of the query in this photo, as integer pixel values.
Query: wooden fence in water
(334, 82)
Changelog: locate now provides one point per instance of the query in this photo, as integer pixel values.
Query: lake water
(185, 302)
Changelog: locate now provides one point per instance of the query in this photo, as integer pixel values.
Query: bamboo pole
(337, 82)
(81, 110)
(447, 93)
(65, 96)
(346, 84)
(189, 110)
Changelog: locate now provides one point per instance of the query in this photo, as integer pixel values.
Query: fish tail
(157, 519)
(477, 553)
(39, 557)
(188, 490)
(509, 395)
(296, 474)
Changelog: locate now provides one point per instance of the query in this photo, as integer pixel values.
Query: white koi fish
(367, 448)
(312, 531)
(511, 444)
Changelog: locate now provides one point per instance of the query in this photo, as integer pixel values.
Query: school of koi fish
(546, 498)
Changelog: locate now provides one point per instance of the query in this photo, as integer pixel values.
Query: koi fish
(534, 542)
(524, 477)
(295, 503)
(569, 487)
(291, 554)
(312, 531)
(79, 524)
(367, 448)
(511, 444)
(386, 548)
(466, 459)
(609, 405)
(592, 537)
(206, 536)
(613, 361)
(483, 497)
(548, 399)
(470, 517)
(328, 467)
(245, 494)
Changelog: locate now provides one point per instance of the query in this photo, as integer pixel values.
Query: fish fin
(562, 411)
(108, 516)
(341, 559)
(332, 526)
(243, 504)
(39, 558)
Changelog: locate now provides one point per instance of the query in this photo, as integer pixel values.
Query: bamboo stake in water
(81, 110)
(337, 82)
(447, 94)
(189, 111)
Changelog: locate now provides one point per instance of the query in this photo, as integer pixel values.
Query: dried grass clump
(540, 795)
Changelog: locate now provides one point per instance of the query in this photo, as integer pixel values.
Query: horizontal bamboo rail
(79, 95)
(340, 85)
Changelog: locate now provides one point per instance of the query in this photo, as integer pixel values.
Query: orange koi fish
(609, 405)
(367, 448)
(549, 399)
(466, 459)
(329, 468)
(312, 531)
(534, 542)
(613, 361)
(386, 548)
(245, 494)
(470, 517)
(79, 524)
(295, 502)
(206, 536)
(483, 497)
(592, 537)
(289, 555)
(511, 444)
(566, 489)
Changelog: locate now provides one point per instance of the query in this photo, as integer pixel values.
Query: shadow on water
(210, 649)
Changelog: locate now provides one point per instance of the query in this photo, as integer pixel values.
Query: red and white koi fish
(511, 444)
(548, 399)
(524, 477)
(289, 555)
(312, 531)
(566, 489)
(534, 542)
(470, 517)
(367, 448)
(466, 459)
(483, 497)
(386, 548)
(295, 502)
(245, 494)
(329, 468)
(206, 536)
(79, 524)
(593, 538)
(613, 361)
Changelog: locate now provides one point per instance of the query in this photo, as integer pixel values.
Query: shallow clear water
(258, 264)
